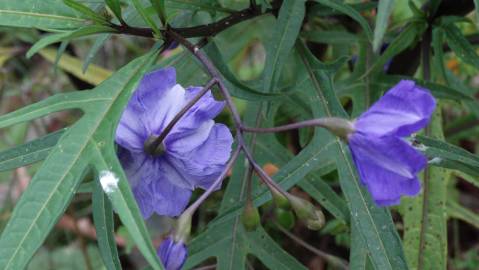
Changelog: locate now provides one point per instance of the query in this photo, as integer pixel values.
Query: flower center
(152, 147)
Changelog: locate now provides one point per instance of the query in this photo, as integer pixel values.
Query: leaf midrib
(52, 16)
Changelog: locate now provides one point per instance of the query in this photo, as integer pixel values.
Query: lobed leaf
(55, 183)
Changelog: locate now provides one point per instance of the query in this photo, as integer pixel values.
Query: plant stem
(325, 122)
(210, 29)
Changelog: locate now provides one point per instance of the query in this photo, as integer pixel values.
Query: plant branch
(210, 29)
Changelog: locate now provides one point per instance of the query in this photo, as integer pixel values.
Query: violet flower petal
(203, 172)
(172, 254)
(195, 126)
(404, 109)
(387, 166)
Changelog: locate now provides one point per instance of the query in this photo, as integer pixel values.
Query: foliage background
(300, 60)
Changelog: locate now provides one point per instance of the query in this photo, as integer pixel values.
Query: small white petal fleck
(421, 147)
(436, 160)
(108, 181)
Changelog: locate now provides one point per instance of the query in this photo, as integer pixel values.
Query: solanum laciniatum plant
(153, 134)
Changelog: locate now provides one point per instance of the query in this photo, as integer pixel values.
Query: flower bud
(183, 227)
(306, 211)
(317, 222)
(285, 218)
(280, 200)
(172, 253)
(250, 217)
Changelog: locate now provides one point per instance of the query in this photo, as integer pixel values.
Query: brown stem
(210, 29)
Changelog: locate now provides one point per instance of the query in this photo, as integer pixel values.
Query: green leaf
(286, 31)
(457, 211)
(99, 42)
(443, 154)
(54, 38)
(105, 230)
(358, 256)
(29, 152)
(115, 7)
(43, 14)
(160, 9)
(118, 190)
(351, 12)
(88, 12)
(142, 11)
(460, 45)
(385, 8)
(425, 220)
(53, 186)
(438, 58)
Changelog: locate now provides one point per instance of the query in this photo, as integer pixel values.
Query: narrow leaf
(115, 7)
(105, 230)
(286, 31)
(42, 14)
(446, 155)
(29, 152)
(455, 210)
(385, 8)
(121, 197)
(54, 38)
(460, 45)
(88, 12)
(160, 9)
(142, 11)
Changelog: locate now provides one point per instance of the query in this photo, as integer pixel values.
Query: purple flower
(194, 152)
(386, 163)
(172, 254)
